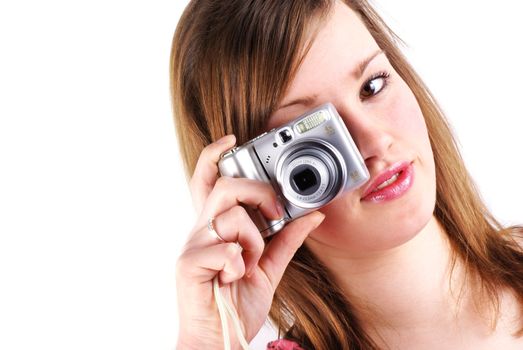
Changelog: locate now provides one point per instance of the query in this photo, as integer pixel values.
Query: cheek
(405, 115)
(406, 121)
(376, 228)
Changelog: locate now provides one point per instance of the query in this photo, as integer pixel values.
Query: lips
(397, 168)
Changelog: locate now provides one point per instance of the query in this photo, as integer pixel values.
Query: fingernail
(225, 140)
(279, 209)
(320, 219)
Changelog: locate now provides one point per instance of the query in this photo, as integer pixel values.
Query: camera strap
(223, 309)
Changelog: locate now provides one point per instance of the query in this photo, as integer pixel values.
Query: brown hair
(231, 63)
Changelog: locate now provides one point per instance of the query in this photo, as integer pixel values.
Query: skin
(388, 256)
(248, 272)
(387, 127)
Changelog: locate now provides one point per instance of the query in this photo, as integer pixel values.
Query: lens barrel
(311, 175)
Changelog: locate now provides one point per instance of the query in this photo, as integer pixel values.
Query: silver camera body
(309, 162)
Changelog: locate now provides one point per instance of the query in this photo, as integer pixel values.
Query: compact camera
(309, 162)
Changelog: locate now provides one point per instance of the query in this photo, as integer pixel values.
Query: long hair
(231, 63)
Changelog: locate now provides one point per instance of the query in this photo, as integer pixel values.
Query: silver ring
(212, 231)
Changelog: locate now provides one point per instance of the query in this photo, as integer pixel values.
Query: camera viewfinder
(285, 135)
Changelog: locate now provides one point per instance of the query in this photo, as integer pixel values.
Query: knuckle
(232, 251)
(244, 219)
(235, 269)
(208, 152)
(240, 213)
(266, 192)
(224, 182)
(270, 192)
(249, 225)
(240, 269)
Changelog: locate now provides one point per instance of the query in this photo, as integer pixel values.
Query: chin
(360, 229)
(405, 229)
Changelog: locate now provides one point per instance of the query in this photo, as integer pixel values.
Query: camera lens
(309, 175)
(305, 180)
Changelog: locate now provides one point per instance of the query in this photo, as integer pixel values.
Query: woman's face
(345, 66)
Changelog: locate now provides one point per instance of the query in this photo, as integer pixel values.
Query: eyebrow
(357, 73)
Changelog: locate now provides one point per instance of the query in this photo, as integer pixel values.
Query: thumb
(280, 250)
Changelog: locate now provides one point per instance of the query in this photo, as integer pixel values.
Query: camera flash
(311, 122)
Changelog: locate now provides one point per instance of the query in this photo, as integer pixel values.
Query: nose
(370, 135)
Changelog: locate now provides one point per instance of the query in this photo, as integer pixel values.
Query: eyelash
(385, 75)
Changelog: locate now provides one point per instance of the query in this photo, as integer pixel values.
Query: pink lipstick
(390, 184)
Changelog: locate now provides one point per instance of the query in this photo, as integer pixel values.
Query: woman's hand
(248, 276)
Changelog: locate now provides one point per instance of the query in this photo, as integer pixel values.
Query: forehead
(338, 47)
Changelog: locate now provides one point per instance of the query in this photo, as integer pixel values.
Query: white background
(93, 201)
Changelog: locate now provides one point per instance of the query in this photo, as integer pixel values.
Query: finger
(201, 265)
(229, 192)
(206, 170)
(234, 225)
(283, 246)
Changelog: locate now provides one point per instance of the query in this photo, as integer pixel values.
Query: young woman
(411, 260)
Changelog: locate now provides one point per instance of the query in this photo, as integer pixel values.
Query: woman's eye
(374, 85)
